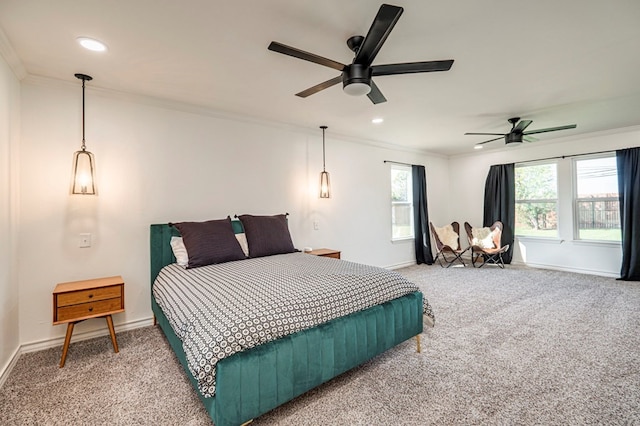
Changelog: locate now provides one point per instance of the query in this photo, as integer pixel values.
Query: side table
(325, 252)
(77, 301)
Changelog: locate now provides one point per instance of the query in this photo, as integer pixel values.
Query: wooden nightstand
(80, 300)
(325, 253)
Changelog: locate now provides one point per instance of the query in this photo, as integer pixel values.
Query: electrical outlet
(85, 240)
(316, 225)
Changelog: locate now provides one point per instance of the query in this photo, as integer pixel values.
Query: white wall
(9, 134)
(156, 164)
(468, 174)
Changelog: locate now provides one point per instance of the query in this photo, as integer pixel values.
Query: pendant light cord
(323, 162)
(84, 78)
(84, 147)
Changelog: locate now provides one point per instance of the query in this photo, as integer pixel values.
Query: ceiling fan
(518, 134)
(356, 77)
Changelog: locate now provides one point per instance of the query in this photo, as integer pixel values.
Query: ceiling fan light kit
(357, 77)
(356, 80)
(357, 89)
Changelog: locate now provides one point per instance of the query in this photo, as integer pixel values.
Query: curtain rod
(570, 156)
(397, 162)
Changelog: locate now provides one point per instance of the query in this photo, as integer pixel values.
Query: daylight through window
(596, 205)
(536, 200)
(401, 202)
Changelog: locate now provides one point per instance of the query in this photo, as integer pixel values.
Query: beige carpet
(513, 346)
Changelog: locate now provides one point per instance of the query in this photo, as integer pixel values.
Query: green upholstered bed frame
(252, 382)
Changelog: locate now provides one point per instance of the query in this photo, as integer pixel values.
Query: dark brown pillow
(210, 242)
(267, 235)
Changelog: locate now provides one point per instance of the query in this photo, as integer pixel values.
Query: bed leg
(155, 320)
(418, 348)
(246, 423)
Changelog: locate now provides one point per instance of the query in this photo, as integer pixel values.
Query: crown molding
(36, 80)
(9, 55)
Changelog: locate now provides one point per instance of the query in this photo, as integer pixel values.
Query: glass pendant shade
(325, 187)
(84, 174)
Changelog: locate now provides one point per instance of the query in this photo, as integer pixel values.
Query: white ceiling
(555, 62)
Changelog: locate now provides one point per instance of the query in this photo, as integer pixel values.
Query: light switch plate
(85, 240)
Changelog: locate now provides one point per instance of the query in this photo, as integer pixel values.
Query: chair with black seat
(486, 244)
(447, 241)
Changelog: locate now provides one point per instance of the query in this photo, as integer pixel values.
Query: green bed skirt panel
(253, 382)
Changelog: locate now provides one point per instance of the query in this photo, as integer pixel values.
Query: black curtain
(421, 216)
(628, 162)
(500, 203)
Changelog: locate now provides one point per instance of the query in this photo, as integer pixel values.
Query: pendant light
(325, 187)
(84, 165)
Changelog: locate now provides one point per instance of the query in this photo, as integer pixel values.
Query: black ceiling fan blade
(382, 25)
(527, 138)
(411, 67)
(490, 134)
(522, 124)
(301, 54)
(490, 140)
(376, 95)
(550, 129)
(319, 87)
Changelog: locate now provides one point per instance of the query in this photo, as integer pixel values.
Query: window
(401, 202)
(596, 204)
(536, 200)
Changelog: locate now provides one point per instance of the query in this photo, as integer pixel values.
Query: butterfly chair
(447, 241)
(486, 245)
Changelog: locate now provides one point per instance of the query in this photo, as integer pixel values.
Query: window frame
(408, 170)
(556, 200)
(576, 200)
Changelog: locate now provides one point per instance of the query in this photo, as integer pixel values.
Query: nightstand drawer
(91, 309)
(91, 295)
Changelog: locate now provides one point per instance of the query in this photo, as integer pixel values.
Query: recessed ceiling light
(92, 44)
(477, 146)
(377, 120)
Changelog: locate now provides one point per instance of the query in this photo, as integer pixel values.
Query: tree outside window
(536, 200)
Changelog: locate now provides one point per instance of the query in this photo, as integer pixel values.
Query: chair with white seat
(447, 241)
(486, 244)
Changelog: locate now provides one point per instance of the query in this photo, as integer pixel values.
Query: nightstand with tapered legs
(77, 301)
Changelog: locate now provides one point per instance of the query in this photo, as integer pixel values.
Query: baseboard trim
(6, 369)
(400, 265)
(565, 269)
(58, 341)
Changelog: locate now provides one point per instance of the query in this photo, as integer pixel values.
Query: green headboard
(160, 244)
(161, 253)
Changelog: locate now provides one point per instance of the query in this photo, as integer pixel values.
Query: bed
(253, 381)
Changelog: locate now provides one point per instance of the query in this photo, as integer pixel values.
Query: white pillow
(182, 257)
(242, 239)
(179, 251)
(483, 237)
(448, 236)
